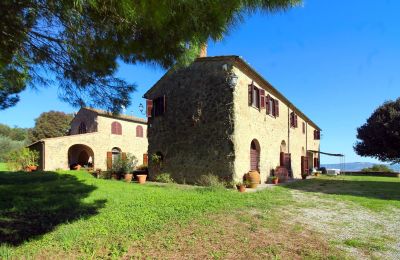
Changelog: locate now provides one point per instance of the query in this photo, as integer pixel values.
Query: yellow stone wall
(251, 123)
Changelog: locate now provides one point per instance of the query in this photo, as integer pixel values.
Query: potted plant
(124, 166)
(274, 180)
(254, 179)
(304, 176)
(241, 186)
(30, 158)
(141, 178)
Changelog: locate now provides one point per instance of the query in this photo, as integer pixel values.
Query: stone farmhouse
(220, 116)
(95, 139)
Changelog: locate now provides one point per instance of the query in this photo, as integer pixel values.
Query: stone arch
(80, 154)
(255, 151)
(116, 153)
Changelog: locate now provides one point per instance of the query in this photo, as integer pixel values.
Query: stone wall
(86, 116)
(252, 123)
(195, 134)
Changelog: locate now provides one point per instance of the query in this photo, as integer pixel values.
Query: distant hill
(357, 166)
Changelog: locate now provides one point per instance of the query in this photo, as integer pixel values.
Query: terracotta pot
(128, 177)
(241, 188)
(33, 167)
(141, 178)
(275, 181)
(254, 178)
(115, 176)
(28, 169)
(303, 176)
(77, 167)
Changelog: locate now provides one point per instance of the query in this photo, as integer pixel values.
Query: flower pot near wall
(303, 176)
(241, 188)
(128, 177)
(141, 178)
(254, 178)
(115, 176)
(275, 181)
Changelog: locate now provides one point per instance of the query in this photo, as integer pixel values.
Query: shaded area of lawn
(32, 204)
(372, 192)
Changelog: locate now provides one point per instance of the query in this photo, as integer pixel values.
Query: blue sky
(336, 60)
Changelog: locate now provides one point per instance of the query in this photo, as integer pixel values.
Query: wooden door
(254, 159)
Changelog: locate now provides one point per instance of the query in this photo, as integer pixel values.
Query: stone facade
(208, 124)
(61, 152)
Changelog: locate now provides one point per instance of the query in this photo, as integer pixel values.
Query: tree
(379, 137)
(80, 42)
(14, 133)
(50, 124)
(8, 145)
(377, 168)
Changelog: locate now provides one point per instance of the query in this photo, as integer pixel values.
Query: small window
(272, 106)
(304, 127)
(139, 131)
(116, 128)
(159, 106)
(317, 135)
(82, 128)
(293, 119)
(256, 97)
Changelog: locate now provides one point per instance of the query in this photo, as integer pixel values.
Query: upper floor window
(317, 135)
(293, 119)
(256, 96)
(116, 128)
(82, 128)
(304, 127)
(272, 106)
(139, 131)
(156, 107)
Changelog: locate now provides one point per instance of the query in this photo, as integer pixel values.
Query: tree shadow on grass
(369, 189)
(32, 204)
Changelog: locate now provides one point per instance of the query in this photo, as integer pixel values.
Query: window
(254, 96)
(272, 106)
(293, 119)
(304, 127)
(139, 131)
(82, 128)
(156, 107)
(317, 135)
(116, 128)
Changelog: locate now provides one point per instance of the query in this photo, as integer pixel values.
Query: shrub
(22, 158)
(125, 164)
(210, 180)
(164, 178)
(142, 167)
(8, 145)
(377, 168)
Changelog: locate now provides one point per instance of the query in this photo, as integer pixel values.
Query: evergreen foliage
(50, 124)
(78, 43)
(379, 137)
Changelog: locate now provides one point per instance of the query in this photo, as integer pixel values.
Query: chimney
(203, 51)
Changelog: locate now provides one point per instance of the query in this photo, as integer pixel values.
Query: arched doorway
(255, 155)
(80, 154)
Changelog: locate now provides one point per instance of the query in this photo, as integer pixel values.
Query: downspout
(288, 134)
(43, 156)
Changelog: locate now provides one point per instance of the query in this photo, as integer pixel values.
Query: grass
(3, 166)
(73, 215)
(374, 193)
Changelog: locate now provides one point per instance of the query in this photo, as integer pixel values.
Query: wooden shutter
(303, 165)
(109, 160)
(295, 120)
(276, 105)
(164, 104)
(262, 98)
(282, 159)
(304, 127)
(267, 104)
(123, 156)
(318, 163)
(145, 159)
(149, 107)
(119, 128)
(291, 119)
(250, 94)
(315, 162)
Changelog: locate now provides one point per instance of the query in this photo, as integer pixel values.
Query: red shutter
(149, 107)
(250, 94)
(318, 163)
(123, 156)
(262, 98)
(165, 104)
(291, 119)
(145, 159)
(109, 160)
(315, 162)
(295, 120)
(119, 126)
(304, 127)
(267, 104)
(276, 105)
(282, 159)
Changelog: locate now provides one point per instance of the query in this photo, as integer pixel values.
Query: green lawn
(72, 214)
(3, 166)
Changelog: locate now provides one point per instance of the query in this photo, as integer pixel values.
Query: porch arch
(80, 154)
